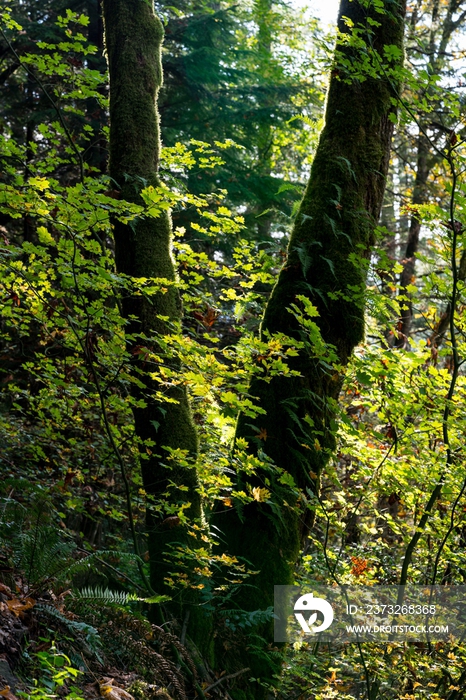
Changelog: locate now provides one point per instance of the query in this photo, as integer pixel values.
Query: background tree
(432, 36)
(224, 75)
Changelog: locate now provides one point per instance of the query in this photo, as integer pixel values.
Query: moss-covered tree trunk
(133, 37)
(327, 263)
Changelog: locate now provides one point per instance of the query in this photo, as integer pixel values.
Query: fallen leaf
(4, 589)
(112, 692)
(6, 693)
(18, 607)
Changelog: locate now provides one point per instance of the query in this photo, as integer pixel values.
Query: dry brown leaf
(6, 693)
(262, 435)
(18, 607)
(112, 692)
(4, 589)
(171, 521)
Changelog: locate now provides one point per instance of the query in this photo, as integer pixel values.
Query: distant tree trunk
(133, 37)
(428, 154)
(263, 15)
(412, 246)
(327, 263)
(97, 153)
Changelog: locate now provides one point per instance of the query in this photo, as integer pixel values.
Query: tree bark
(133, 37)
(327, 262)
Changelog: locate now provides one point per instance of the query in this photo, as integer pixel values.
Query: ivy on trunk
(326, 266)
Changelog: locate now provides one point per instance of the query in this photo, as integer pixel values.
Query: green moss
(133, 36)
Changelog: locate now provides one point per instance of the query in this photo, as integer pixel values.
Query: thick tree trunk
(327, 263)
(133, 37)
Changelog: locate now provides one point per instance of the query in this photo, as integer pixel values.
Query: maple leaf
(208, 318)
(359, 566)
(260, 494)
(6, 693)
(18, 607)
(262, 434)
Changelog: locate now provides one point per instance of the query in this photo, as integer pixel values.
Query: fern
(85, 635)
(35, 545)
(104, 596)
(83, 564)
(39, 550)
(243, 619)
(41, 554)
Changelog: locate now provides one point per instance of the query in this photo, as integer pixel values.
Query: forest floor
(35, 652)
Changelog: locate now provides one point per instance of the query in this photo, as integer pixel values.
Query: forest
(232, 345)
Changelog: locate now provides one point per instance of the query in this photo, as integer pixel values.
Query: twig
(114, 569)
(52, 102)
(435, 495)
(226, 678)
(185, 628)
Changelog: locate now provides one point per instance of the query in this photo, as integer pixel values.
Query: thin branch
(226, 678)
(435, 495)
(51, 100)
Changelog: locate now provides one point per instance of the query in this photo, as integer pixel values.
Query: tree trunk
(263, 15)
(428, 152)
(133, 37)
(412, 246)
(97, 152)
(327, 263)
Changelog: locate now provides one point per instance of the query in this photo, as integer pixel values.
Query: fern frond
(104, 596)
(83, 564)
(86, 634)
(41, 553)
